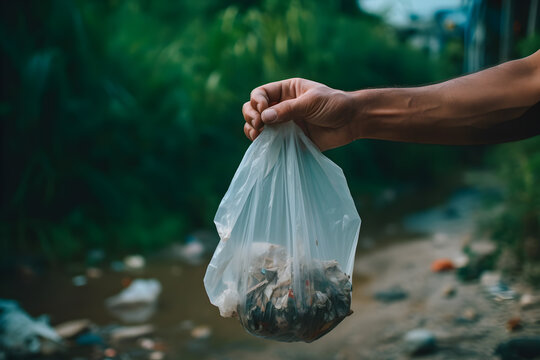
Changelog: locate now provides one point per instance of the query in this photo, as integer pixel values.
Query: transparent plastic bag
(289, 229)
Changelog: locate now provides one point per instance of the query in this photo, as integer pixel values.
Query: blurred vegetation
(122, 121)
(515, 222)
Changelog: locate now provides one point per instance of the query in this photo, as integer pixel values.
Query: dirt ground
(375, 330)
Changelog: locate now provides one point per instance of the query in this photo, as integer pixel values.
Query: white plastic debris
(134, 262)
(21, 335)
(136, 303)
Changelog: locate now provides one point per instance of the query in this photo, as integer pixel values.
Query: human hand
(325, 114)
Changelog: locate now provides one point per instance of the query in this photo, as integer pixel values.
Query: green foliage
(121, 118)
(516, 226)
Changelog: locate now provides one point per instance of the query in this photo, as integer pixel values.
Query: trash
(395, 293)
(468, 316)
(441, 265)
(192, 252)
(89, 339)
(519, 348)
(22, 335)
(147, 343)
(136, 303)
(201, 332)
(493, 284)
(109, 352)
(94, 273)
(514, 324)
(289, 229)
(420, 342)
(130, 332)
(529, 301)
(79, 280)
(449, 291)
(134, 262)
(72, 328)
(156, 355)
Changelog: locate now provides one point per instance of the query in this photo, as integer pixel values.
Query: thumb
(281, 112)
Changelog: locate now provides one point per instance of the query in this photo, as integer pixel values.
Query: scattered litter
(201, 332)
(147, 343)
(468, 316)
(22, 335)
(94, 273)
(79, 280)
(395, 293)
(519, 348)
(72, 328)
(136, 303)
(156, 355)
(529, 301)
(514, 324)
(441, 265)
(89, 339)
(420, 342)
(130, 332)
(493, 284)
(109, 352)
(134, 262)
(449, 291)
(192, 252)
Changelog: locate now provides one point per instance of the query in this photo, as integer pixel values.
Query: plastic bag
(288, 228)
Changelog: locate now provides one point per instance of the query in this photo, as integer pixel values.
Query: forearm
(486, 107)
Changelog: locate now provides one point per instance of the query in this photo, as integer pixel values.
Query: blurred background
(122, 129)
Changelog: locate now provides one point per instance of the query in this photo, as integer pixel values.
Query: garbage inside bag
(288, 232)
(272, 310)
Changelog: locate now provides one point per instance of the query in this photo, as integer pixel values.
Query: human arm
(490, 106)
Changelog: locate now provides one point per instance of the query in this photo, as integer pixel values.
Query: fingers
(275, 92)
(252, 116)
(281, 112)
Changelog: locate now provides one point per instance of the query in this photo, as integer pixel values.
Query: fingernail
(269, 115)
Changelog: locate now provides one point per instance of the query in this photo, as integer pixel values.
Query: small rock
(519, 348)
(468, 316)
(201, 332)
(156, 355)
(449, 291)
(146, 343)
(129, 332)
(395, 293)
(134, 262)
(72, 328)
(529, 301)
(79, 280)
(420, 341)
(514, 324)
(94, 273)
(441, 265)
